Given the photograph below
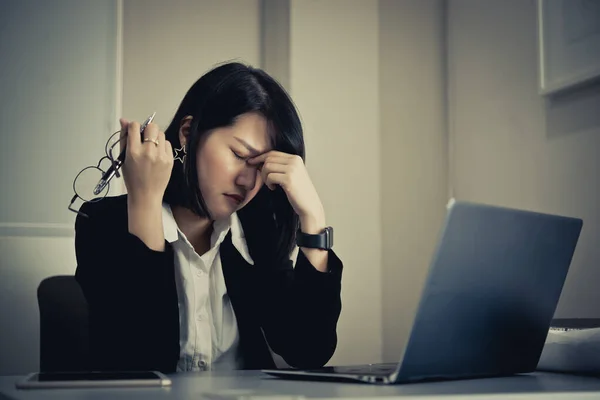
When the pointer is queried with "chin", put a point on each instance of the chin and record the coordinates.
(221, 212)
(218, 215)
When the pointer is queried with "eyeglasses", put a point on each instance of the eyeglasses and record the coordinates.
(85, 184)
(93, 183)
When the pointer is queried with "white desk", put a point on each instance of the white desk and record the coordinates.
(197, 385)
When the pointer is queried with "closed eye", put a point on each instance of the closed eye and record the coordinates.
(237, 155)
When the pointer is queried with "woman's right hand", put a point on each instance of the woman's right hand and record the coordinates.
(146, 172)
(148, 165)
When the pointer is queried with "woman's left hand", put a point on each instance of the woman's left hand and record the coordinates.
(289, 172)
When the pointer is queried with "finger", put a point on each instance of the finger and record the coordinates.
(134, 140)
(275, 178)
(151, 138)
(124, 123)
(161, 141)
(277, 153)
(273, 153)
(257, 159)
(271, 166)
(168, 150)
(151, 131)
(279, 159)
(123, 135)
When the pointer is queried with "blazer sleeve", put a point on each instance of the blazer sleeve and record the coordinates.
(129, 290)
(301, 307)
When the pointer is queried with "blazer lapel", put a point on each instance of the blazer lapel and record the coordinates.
(240, 282)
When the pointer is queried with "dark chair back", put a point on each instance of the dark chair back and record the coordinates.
(64, 338)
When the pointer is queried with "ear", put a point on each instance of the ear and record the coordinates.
(184, 130)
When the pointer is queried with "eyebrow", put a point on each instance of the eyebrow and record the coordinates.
(247, 145)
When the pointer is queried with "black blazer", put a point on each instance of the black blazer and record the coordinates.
(133, 305)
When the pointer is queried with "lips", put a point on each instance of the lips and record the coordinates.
(235, 197)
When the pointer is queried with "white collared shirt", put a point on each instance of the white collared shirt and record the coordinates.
(209, 335)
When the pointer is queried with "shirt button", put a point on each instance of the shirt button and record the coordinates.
(200, 273)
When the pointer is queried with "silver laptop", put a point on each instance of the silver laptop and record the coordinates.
(486, 307)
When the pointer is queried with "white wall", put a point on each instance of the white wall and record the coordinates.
(513, 148)
(414, 162)
(169, 45)
(54, 121)
(334, 63)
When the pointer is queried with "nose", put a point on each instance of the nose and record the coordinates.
(247, 177)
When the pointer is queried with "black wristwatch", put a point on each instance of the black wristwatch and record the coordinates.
(323, 240)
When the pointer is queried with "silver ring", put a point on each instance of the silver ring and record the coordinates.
(155, 141)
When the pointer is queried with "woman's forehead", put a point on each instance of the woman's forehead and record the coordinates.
(254, 131)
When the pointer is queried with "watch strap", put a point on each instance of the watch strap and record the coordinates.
(323, 240)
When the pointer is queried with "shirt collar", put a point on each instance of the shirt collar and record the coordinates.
(221, 228)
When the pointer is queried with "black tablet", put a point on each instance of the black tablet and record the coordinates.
(47, 380)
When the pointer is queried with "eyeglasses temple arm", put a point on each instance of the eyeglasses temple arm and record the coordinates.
(74, 210)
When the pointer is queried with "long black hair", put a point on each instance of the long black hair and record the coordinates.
(215, 101)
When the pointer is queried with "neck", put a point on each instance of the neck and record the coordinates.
(196, 229)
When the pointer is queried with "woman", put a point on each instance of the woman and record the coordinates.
(192, 269)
